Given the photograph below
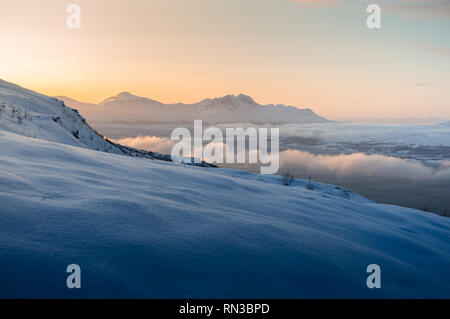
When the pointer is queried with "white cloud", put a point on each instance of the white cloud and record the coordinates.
(345, 165)
(149, 143)
(361, 165)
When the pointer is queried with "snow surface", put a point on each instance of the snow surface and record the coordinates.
(146, 228)
(141, 228)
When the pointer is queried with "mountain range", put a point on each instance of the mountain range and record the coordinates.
(126, 107)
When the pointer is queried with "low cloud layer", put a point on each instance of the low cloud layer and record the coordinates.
(358, 165)
(361, 165)
(149, 143)
(425, 135)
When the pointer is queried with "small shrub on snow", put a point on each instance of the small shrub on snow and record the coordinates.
(287, 179)
(310, 185)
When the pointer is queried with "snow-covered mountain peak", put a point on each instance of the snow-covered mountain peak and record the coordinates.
(231, 99)
(126, 100)
(121, 97)
(246, 99)
(126, 96)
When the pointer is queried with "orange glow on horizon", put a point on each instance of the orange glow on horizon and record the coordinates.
(176, 51)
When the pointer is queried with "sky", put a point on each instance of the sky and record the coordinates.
(307, 53)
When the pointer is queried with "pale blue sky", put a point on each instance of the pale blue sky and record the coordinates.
(307, 53)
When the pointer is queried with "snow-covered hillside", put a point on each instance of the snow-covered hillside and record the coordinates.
(141, 228)
(38, 116)
(126, 107)
(35, 115)
(145, 228)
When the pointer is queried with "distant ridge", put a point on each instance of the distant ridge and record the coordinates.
(444, 123)
(126, 107)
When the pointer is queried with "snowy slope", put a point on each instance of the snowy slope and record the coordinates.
(141, 228)
(35, 115)
(38, 116)
(126, 107)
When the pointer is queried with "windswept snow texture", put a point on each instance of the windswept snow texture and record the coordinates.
(141, 228)
(126, 107)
